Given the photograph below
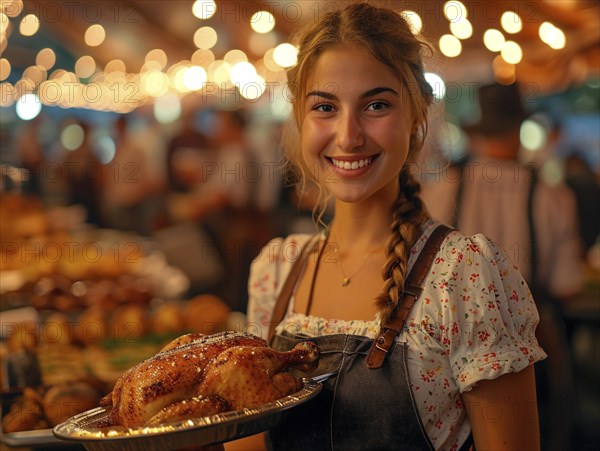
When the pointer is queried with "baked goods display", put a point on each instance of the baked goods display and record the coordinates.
(198, 375)
(40, 408)
(35, 242)
(103, 301)
(67, 264)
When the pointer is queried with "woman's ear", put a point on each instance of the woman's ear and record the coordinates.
(415, 128)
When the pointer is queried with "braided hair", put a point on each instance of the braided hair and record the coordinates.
(387, 36)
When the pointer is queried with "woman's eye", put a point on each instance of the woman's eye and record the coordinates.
(323, 108)
(377, 106)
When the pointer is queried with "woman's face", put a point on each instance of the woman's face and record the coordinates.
(357, 125)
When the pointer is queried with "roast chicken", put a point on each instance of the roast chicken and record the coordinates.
(197, 375)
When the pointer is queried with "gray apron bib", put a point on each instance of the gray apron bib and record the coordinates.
(359, 409)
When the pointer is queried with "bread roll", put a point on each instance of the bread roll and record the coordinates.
(63, 401)
(130, 322)
(206, 314)
(25, 413)
(168, 318)
(91, 326)
(57, 330)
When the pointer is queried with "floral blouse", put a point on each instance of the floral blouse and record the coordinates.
(475, 320)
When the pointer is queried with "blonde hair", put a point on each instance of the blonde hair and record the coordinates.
(387, 36)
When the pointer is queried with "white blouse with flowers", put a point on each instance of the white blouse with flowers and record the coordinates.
(475, 320)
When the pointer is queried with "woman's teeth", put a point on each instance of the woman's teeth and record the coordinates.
(352, 165)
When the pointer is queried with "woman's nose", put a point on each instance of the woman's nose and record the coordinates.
(349, 134)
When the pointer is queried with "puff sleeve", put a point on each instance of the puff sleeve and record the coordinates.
(488, 325)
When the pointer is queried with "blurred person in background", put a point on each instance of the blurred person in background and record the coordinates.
(30, 154)
(131, 182)
(535, 223)
(211, 200)
(240, 229)
(83, 174)
(580, 177)
(185, 152)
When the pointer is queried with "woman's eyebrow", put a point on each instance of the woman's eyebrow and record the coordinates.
(324, 94)
(371, 92)
(378, 90)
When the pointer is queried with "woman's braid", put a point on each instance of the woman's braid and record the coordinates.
(408, 217)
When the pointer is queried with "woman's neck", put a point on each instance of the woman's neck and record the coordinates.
(360, 227)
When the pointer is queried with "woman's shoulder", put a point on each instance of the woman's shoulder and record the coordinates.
(268, 272)
(272, 264)
(470, 272)
(458, 248)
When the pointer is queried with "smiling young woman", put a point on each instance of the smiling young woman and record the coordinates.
(426, 328)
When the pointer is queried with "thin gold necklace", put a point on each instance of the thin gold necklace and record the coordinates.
(347, 279)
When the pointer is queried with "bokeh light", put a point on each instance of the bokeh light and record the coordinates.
(94, 35)
(204, 9)
(28, 106)
(262, 21)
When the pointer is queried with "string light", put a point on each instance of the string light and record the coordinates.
(94, 35)
(511, 52)
(204, 9)
(28, 106)
(437, 84)
(235, 56)
(30, 24)
(262, 21)
(462, 29)
(285, 55)
(493, 40)
(85, 66)
(194, 78)
(205, 38)
(46, 58)
(414, 21)
(12, 8)
(455, 11)
(450, 45)
(511, 22)
(552, 35)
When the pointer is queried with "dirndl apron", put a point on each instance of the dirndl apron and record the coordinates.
(365, 406)
(358, 409)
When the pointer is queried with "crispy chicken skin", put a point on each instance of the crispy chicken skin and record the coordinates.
(198, 375)
(189, 408)
(170, 376)
(249, 377)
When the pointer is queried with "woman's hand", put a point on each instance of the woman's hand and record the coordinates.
(252, 443)
(503, 412)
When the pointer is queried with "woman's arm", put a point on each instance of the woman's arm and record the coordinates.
(251, 443)
(503, 412)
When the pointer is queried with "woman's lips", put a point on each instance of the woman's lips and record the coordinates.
(351, 166)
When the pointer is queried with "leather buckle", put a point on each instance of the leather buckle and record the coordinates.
(386, 339)
(380, 342)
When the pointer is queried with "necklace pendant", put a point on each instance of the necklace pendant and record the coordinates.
(346, 282)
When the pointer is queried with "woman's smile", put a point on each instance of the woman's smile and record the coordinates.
(352, 166)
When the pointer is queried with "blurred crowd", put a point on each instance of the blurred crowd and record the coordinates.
(214, 178)
(208, 192)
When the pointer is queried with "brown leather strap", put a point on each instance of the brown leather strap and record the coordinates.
(412, 290)
(283, 300)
